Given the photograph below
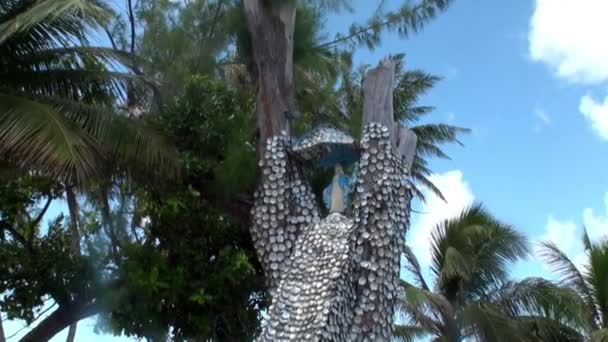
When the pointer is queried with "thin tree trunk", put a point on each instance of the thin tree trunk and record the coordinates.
(72, 332)
(75, 236)
(2, 337)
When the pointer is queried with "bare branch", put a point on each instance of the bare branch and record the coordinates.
(38, 218)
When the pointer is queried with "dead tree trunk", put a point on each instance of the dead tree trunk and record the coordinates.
(331, 279)
(337, 278)
(271, 31)
(282, 188)
(381, 209)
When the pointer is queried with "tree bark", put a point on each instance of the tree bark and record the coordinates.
(271, 33)
(75, 236)
(60, 319)
(71, 332)
(2, 336)
(382, 208)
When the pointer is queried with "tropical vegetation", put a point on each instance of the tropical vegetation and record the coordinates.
(588, 281)
(141, 119)
(473, 296)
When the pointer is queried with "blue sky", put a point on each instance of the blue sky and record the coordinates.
(530, 78)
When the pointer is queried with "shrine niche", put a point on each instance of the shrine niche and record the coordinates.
(336, 278)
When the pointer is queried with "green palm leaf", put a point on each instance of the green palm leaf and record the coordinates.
(47, 72)
(413, 266)
(537, 297)
(410, 333)
(570, 275)
(44, 138)
(486, 322)
(596, 276)
(62, 11)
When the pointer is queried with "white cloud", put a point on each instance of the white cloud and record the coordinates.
(563, 233)
(597, 225)
(458, 196)
(568, 235)
(596, 113)
(570, 37)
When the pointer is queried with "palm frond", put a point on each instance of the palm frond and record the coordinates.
(422, 308)
(477, 248)
(410, 333)
(74, 84)
(45, 139)
(129, 142)
(596, 276)
(413, 266)
(420, 173)
(439, 133)
(540, 298)
(486, 322)
(495, 247)
(55, 58)
(569, 273)
(540, 329)
(53, 10)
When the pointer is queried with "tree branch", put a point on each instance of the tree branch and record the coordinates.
(61, 318)
(111, 38)
(416, 15)
(37, 220)
(354, 34)
(132, 24)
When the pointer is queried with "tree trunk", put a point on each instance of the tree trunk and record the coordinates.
(60, 319)
(75, 238)
(2, 336)
(381, 209)
(71, 333)
(271, 32)
(340, 289)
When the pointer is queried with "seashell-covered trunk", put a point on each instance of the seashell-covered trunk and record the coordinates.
(336, 278)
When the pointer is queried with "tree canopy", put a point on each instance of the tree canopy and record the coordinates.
(152, 141)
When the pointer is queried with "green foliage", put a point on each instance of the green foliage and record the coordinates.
(177, 39)
(214, 129)
(196, 275)
(407, 19)
(473, 295)
(37, 266)
(589, 283)
(188, 270)
(57, 100)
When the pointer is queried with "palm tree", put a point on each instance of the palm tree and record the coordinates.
(473, 296)
(59, 95)
(590, 283)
